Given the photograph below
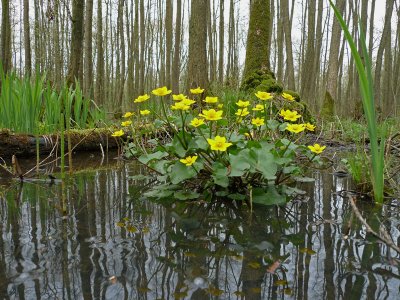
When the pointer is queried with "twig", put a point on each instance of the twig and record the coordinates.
(384, 236)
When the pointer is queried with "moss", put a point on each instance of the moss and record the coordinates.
(258, 37)
(261, 81)
(328, 107)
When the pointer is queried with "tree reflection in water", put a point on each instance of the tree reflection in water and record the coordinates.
(114, 245)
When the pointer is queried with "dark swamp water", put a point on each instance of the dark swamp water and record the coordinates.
(112, 244)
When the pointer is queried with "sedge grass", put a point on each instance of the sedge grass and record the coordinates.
(364, 70)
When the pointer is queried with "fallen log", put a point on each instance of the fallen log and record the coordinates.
(24, 145)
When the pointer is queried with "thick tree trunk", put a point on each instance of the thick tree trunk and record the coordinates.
(78, 8)
(257, 50)
(197, 64)
(5, 36)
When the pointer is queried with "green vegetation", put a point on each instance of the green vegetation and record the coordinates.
(364, 72)
(33, 106)
(250, 151)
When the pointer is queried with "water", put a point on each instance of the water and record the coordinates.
(94, 237)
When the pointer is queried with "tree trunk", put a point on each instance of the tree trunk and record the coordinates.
(221, 42)
(177, 48)
(27, 40)
(331, 94)
(88, 83)
(78, 8)
(99, 93)
(5, 36)
(287, 28)
(197, 64)
(257, 50)
(168, 41)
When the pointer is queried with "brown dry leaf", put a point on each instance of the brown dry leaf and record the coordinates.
(272, 268)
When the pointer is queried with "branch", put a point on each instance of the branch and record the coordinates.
(384, 236)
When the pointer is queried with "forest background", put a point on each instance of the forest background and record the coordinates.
(120, 49)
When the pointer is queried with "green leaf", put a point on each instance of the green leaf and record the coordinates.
(145, 158)
(198, 143)
(266, 164)
(304, 179)
(268, 196)
(237, 197)
(160, 166)
(220, 175)
(181, 172)
(177, 147)
(155, 193)
(186, 195)
(239, 163)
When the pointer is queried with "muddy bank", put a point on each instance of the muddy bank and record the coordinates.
(24, 145)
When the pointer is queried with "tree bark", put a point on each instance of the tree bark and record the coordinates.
(287, 28)
(197, 64)
(5, 36)
(27, 40)
(177, 48)
(221, 42)
(78, 8)
(88, 68)
(257, 49)
(99, 93)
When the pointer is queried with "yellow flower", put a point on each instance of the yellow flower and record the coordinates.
(197, 122)
(179, 97)
(118, 133)
(162, 91)
(295, 128)
(126, 123)
(259, 107)
(127, 114)
(241, 112)
(180, 106)
(188, 161)
(144, 112)
(287, 96)
(220, 106)
(188, 101)
(211, 100)
(211, 114)
(309, 126)
(242, 103)
(290, 115)
(263, 95)
(257, 121)
(197, 90)
(142, 98)
(317, 148)
(219, 143)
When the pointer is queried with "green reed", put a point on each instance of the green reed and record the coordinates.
(364, 70)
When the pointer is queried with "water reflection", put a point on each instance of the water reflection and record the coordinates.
(112, 244)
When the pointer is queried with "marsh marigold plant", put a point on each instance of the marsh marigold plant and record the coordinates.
(248, 153)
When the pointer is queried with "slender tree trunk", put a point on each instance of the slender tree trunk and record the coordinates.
(78, 8)
(99, 93)
(168, 41)
(177, 48)
(287, 28)
(279, 44)
(27, 40)
(88, 86)
(142, 48)
(221, 42)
